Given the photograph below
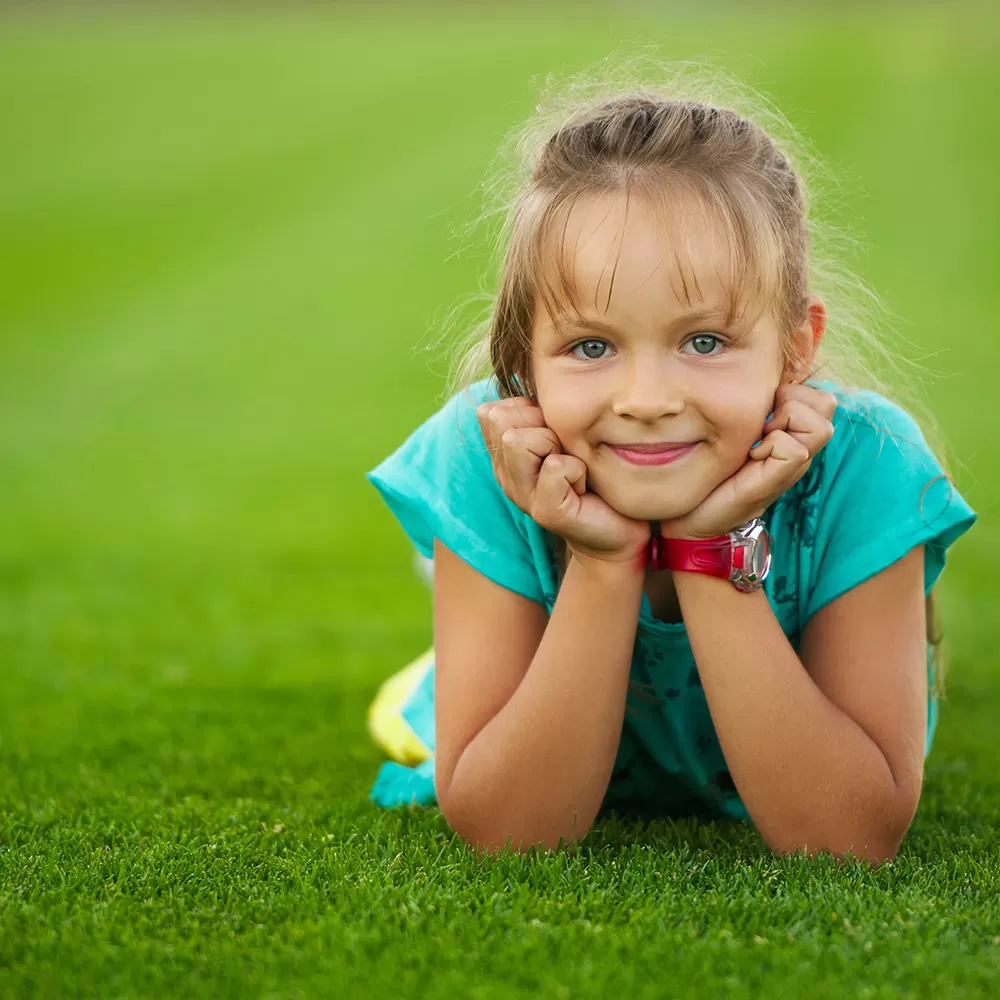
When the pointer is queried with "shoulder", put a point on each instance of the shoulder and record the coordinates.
(867, 418)
(465, 400)
(440, 484)
(874, 439)
(456, 423)
(870, 495)
(878, 452)
(449, 437)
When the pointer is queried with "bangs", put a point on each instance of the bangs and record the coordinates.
(749, 265)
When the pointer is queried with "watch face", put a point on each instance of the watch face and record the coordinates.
(761, 555)
(755, 542)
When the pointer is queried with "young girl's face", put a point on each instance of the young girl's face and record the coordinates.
(649, 366)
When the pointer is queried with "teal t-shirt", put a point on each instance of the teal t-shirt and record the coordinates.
(871, 494)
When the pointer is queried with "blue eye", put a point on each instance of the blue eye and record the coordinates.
(582, 343)
(704, 343)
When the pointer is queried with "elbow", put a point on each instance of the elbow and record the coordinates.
(500, 832)
(875, 841)
(874, 853)
(488, 844)
(492, 838)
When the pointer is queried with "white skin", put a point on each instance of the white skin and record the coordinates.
(646, 370)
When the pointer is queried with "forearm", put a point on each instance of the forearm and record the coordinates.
(809, 776)
(540, 767)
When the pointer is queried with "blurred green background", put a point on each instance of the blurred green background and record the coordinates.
(226, 240)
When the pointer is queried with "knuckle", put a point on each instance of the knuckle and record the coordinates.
(791, 447)
(541, 516)
(488, 428)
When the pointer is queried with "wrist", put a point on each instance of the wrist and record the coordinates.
(616, 568)
(682, 532)
(704, 589)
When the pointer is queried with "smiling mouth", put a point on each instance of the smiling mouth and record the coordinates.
(662, 457)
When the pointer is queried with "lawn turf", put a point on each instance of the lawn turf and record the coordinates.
(225, 243)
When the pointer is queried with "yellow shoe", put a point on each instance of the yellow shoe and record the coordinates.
(386, 724)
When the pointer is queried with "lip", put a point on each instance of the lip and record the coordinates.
(662, 457)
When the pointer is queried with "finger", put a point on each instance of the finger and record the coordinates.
(781, 447)
(779, 463)
(525, 411)
(524, 449)
(802, 422)
(551, 505)
(825, 403)
(514, 412)
(495, 416)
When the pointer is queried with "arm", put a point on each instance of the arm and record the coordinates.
(826, 752)
(528, 730)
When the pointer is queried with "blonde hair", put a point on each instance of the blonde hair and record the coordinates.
(680, 128)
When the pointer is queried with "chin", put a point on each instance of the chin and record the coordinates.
(653, 507)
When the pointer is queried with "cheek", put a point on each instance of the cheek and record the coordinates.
(743, 426)
(751, 426)
(564, 415)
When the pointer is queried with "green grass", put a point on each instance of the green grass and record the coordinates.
(222, 243)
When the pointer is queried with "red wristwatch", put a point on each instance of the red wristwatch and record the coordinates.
(743, 556)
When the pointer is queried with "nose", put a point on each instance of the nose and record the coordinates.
(650, 388)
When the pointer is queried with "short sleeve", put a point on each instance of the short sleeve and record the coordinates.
(882, 492)
(440, 483)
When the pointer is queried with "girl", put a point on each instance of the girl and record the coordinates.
(682, 563)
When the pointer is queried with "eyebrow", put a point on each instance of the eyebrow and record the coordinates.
(692, 316)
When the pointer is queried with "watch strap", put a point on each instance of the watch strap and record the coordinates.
(708, 555)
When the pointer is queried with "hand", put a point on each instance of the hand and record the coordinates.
(551, 487)
(799, 427)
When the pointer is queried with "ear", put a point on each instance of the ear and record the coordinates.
(805, 341)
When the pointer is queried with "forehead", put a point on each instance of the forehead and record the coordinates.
(610, 254)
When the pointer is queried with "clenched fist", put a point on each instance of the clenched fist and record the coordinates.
(799, 427)
(551, 486)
